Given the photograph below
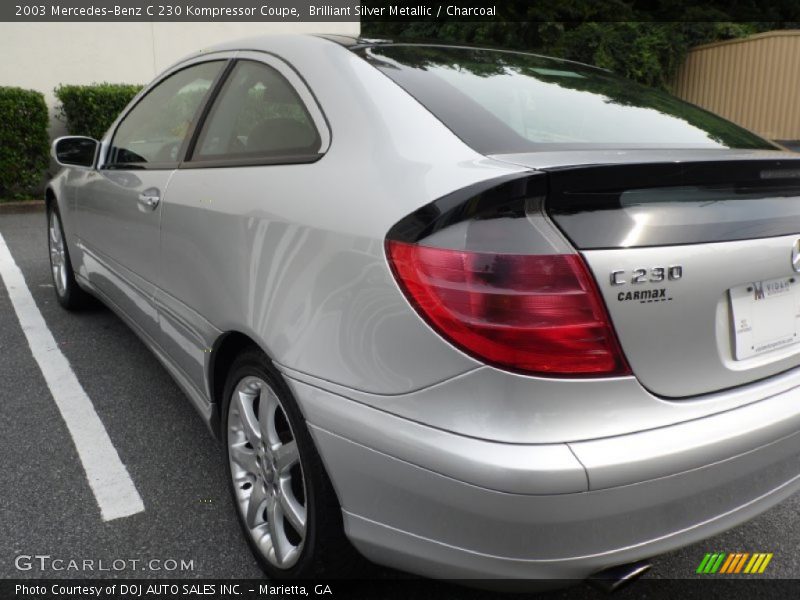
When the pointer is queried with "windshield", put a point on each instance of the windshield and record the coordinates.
(503, 102)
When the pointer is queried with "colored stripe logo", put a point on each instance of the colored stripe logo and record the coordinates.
(734, 562)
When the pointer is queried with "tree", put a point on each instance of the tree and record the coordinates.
(644, 43)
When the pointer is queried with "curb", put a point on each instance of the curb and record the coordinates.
(22, 206)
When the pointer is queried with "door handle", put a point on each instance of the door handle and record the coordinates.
(150, 198)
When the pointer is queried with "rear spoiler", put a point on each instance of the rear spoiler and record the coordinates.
(658, 204)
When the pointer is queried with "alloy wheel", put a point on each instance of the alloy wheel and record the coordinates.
(58, 262)
(267, 473)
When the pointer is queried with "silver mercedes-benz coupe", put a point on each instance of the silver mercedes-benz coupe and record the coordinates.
(473, 313)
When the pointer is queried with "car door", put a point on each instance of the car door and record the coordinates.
(120, 204)
(253, 150)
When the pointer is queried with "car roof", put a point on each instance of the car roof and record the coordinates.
(357, 43)
(290, 43)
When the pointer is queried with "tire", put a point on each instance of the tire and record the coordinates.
(68, 293)
(307, 521)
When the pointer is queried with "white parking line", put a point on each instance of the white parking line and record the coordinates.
(111, 484)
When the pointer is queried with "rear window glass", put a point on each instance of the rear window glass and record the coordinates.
(504, 102)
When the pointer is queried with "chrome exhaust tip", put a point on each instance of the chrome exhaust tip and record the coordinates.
(612, 579)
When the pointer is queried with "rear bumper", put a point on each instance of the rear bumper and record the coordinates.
(443, 505)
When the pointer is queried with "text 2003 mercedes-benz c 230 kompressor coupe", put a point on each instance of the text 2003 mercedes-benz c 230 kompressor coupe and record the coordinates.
(480, 314)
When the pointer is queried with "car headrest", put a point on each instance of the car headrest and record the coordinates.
(280, 134)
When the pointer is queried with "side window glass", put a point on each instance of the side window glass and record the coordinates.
(155, 129)
(257, 115)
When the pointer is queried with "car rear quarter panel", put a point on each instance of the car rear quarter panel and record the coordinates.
(293, 255)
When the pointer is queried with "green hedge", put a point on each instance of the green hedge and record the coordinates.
(24, 143)
(90, 109)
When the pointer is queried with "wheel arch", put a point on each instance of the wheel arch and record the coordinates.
(53, 199)
(49, 197)
(226, 348)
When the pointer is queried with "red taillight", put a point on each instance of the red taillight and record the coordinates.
(538, 314)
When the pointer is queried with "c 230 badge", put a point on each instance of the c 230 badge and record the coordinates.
(640, 276)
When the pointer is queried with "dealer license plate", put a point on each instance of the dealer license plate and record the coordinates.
(766, 316)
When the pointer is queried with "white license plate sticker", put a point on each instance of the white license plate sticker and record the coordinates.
(766, 316)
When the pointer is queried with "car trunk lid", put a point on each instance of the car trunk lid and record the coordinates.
(695, 256)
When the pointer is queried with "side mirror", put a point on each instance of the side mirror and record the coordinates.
(75, 151)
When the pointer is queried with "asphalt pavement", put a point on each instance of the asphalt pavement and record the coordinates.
(188, 527)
